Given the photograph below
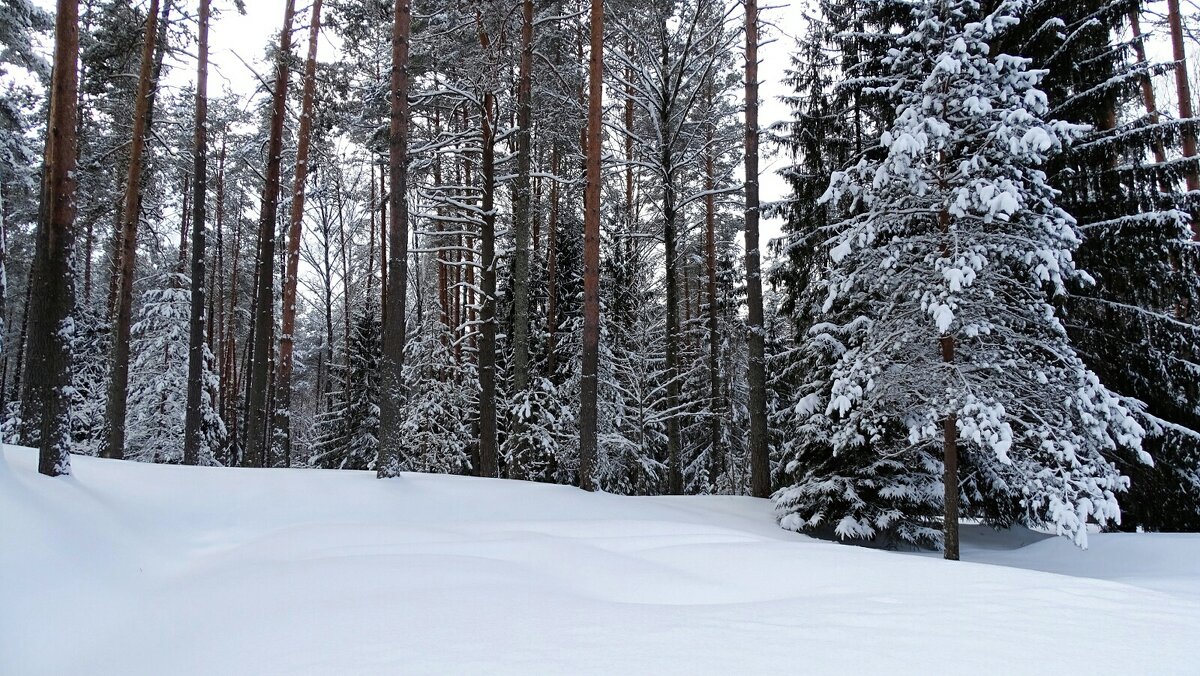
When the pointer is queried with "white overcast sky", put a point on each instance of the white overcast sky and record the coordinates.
(234, 36)
(237, 40)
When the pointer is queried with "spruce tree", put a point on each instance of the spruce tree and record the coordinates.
(944, 271)
(1135, 326)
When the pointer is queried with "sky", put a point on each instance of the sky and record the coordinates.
(237, 45)
(236, 39)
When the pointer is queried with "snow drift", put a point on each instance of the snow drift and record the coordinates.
(127, 568)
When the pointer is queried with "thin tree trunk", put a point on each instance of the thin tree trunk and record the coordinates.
(258, 424)
(160, 51)
(392, 363)
(521, 229)
(46, 399)
(671, 246)
(231, 337)
(118, 387)
(1184, 92)
(949, 434)
(287, 339)
(443, 290)
(756, 377)
(488, 457)
(552, 266)
(22, 342)
(185, 222)
(219, 284)
(383, 243)
(591, 257)
(193, 431)
(370, 278)
(710, 264)
(4, 347)
(1148, 98)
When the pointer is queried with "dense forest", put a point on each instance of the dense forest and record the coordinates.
(521, 239)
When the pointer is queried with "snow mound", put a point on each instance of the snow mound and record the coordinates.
(131, 569)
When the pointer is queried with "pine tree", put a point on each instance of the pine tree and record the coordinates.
(45, 399)
(258, 419)
(588, 442)
(396, 285)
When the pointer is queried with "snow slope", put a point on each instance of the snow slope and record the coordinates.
(133, 569)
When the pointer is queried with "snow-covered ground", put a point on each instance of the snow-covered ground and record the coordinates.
(134, 569)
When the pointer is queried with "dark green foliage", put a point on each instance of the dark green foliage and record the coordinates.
(347, 436)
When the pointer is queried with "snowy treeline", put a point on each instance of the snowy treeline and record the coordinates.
(982, 305)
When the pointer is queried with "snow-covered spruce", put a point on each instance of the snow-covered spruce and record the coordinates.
(347, 435)
(158, 378)
(940, 301)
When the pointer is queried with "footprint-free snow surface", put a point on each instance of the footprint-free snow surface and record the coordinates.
(132, 569)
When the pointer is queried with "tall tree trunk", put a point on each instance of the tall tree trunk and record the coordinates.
(286, 339)
(710, 263)
(1184, 91)
(258, 436)
(521, 230)
(383, 243)
(443, 289)
(1148, 98)
(488, 456)
(193, 431)
(231, 386)
(756, 377)
(118, 387)
(949, 433)
(219, 284)
(457, 270)
(46, 400)
(591, 257)
(5, 348)
(392, 364)
(160, 51)
(19, 369)
(185, 222)
(671, 246)
(552, 265)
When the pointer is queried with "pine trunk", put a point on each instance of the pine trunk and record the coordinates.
(193, 421)
(552, 266)
(670, 239)
(1184, 92)
(392, 365)
(488, 456)
(714, 344)
(383, 243)
(4, 347)
(756, 377)
(118, 386)
(288, 322)
(160, 51)
(48, 358)
(231, 368)
(591, 256)
(1148, 98)
(219, 286)
(521, 228)
(258, 438)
